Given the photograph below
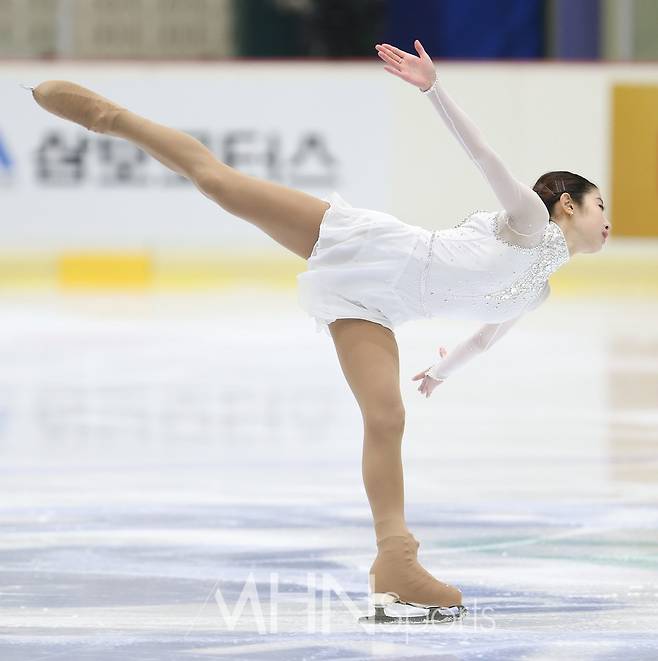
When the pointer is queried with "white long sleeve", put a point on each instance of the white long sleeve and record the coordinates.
(486, 336)
(527, 214)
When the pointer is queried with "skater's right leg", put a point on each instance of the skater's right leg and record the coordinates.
(368, 355)
(291, 217)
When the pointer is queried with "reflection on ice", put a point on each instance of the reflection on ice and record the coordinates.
(160, 459)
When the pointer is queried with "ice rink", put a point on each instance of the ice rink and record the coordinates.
(181, 479)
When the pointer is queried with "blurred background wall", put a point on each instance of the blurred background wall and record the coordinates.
(534, 29)
(292, 90)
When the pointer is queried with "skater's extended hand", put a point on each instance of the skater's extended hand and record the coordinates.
(428, 384)
(418, 71)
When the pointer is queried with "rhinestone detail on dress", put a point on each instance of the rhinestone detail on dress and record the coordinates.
(553, 253)
(469, 216)
(424, 274)
(495, 228)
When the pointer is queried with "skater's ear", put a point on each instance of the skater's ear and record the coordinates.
(566, 201)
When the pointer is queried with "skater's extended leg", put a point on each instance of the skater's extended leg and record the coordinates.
(290, 217)
(369, 358)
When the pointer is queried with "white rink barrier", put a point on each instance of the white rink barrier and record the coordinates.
(319, 127)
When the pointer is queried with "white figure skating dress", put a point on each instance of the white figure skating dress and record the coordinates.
(492, 267)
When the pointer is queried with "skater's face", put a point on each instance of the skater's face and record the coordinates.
(591, 222)
(586, 223)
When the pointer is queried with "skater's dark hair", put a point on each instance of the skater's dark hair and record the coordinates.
(551, 185)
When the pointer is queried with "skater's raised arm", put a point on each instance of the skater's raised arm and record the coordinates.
(485, 337)
(527, 213)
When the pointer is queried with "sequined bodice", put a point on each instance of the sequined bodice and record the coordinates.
(471, 271)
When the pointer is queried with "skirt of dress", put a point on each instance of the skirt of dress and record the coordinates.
(355, 265)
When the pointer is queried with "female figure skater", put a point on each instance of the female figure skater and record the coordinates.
(368, 271)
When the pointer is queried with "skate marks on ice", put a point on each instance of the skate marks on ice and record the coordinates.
(146, 481)
(140, 578)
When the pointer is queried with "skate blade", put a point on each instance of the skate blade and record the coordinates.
(434, 615)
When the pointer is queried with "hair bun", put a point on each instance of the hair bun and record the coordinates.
(551, 185)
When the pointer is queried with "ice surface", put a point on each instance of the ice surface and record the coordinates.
(164, 455)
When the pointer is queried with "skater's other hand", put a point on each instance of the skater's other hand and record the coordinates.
(428, 383)
(418, 71)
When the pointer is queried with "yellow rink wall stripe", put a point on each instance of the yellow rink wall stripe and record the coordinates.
(627, 269)
(217, 270)
(609, 275)
(99, 270)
